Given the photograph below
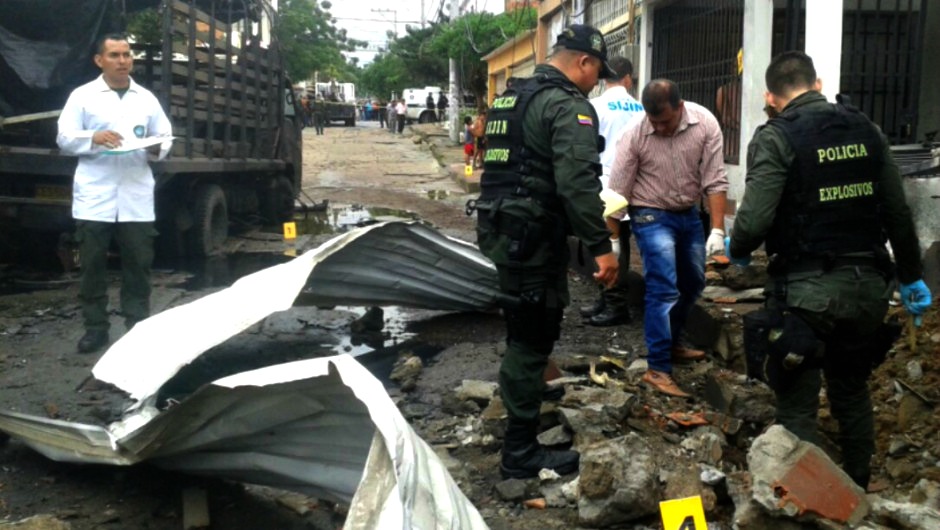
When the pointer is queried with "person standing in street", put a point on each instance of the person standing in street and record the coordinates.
(468, 141)
(381, 112)
(319, 114)
(400, 110)
(664, 165)
(615, 109)
(391, 115)
(441, 106)
(479, 138)
(823, 194)
(540, 182)
(429, 104)
(113, 191)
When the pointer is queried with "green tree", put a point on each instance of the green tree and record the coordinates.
(311, 42)
(145, 26)
(468, 38)
(420, 58)
(385, 75)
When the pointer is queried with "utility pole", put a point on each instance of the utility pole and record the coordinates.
(455, 95)
(423, 16)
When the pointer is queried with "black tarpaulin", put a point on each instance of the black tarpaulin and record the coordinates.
(46, 46)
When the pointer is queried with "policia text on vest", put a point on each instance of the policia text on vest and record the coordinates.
(842, 152)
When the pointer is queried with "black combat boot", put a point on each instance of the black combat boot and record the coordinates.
(523, 457)
(615, 310)
(610, 316)
(588, 311)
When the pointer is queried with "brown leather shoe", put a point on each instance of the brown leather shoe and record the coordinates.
(664, 383)
(683, 354)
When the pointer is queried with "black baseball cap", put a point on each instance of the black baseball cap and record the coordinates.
(589, 40)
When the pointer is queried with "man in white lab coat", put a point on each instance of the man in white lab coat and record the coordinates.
(113, 190)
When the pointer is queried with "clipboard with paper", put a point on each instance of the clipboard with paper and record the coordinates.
(133, 144)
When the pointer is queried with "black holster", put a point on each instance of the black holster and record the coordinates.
(535, 320)
(779, 346)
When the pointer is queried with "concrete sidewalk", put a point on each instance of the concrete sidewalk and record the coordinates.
(450, 156)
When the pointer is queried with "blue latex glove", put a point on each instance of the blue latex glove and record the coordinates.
(740, 262)
(916, 299)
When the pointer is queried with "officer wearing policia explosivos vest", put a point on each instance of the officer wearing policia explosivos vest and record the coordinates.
(824, 194)
(539, 184)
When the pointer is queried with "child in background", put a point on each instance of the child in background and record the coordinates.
(468, 141)
(479, 132)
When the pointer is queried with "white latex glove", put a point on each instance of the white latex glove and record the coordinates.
(615, 247)
(715, 243)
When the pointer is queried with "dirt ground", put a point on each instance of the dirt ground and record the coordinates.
(364, 173)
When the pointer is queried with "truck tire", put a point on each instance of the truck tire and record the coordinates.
(427, 117)
(210, 221)
(350, 122)
(278, 201)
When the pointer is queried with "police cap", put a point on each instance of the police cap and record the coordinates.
(589, 40)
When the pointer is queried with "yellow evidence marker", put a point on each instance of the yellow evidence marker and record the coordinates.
(290, 230)
(683, 514)
(468, 171)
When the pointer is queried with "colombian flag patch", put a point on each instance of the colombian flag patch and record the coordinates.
(584, 119)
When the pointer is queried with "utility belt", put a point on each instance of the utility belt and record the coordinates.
(514, 230)
(780, 266)
(779, 346)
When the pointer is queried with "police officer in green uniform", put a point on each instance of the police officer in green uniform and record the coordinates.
(539, 184)
(824, 194)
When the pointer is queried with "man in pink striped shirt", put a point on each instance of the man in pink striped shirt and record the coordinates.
(665, 164)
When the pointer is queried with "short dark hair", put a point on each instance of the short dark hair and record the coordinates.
(789, 71)
(99, 44)
(467, 120)
(657, 94)
(621, 67)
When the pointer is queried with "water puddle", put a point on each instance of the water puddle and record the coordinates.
(340, 219)
(305, 333)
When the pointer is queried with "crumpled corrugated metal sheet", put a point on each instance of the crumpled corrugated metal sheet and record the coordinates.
(324, 427)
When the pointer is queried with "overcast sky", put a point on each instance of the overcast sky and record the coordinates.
(369, 20)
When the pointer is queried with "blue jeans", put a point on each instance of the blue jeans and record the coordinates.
(672, 245)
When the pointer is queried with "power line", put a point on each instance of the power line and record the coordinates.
(385, 21)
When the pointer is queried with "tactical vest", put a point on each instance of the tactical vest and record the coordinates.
(831, 202)
(508, 160)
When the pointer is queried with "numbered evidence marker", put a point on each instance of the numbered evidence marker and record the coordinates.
(683, 514)
(290, 230)
(468, 171)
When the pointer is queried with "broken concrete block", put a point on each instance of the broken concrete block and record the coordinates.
(684, 482)
(748, 514)
(618, 482)
(927, 493)
(705, 447)
(730, 393)
(511, 490)
(616, 404)
(557, 435)
(905, 516)
(589, 423)
(406, 371)
(36, 522)
(479, 391)
(796, 479)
